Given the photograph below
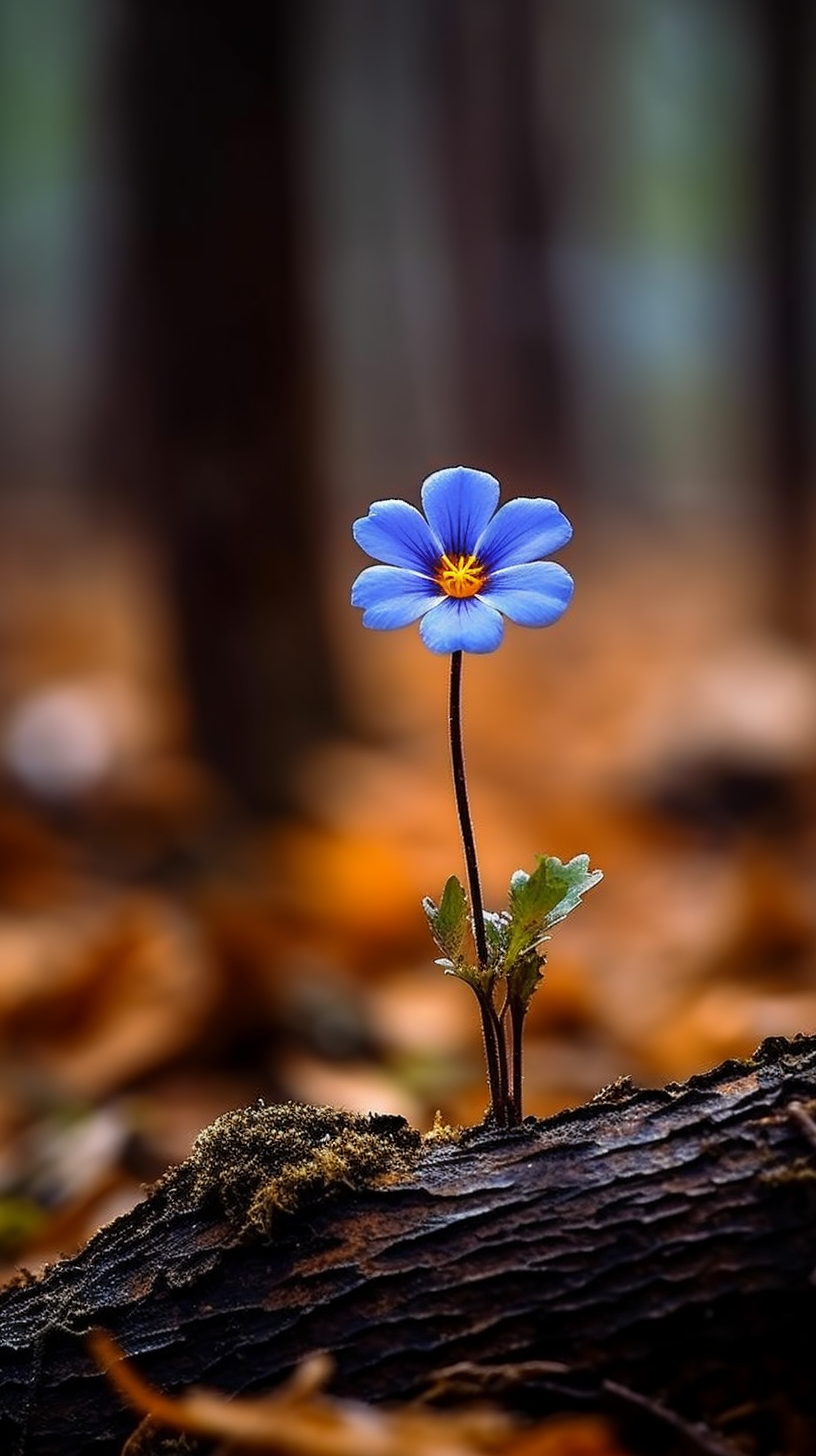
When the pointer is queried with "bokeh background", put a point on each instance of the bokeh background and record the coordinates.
(260, 265)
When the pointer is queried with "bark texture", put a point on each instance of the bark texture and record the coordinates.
(663, 1239)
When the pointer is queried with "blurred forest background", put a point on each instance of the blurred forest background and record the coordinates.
(260, 265)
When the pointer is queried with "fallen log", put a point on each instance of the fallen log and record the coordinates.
(658, 1241)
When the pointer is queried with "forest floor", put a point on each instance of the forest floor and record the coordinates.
(162, 961)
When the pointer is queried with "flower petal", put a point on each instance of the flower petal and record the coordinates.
(392, 597)
(398, 534)
(461, 625)
(459, 503)
(524, 529)
(534, 595)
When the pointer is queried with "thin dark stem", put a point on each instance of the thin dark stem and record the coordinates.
(505, 1114)
(463, 808)
(517, 1031)
(492, 1042)
(506, 1053)
(492, 1029)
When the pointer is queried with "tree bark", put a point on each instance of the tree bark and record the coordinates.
(659, 1239)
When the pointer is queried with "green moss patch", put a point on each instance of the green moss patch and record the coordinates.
(262, 1162)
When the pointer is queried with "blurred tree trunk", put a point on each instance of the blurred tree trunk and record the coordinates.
(496, 190)
(786, 45)
(221, 374)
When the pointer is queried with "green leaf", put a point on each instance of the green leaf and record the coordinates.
(540, 900)
(480, 979)
(580, 878)
(524, 979)
(449, 919)
(497, 929)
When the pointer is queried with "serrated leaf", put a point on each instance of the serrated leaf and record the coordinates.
(542, 899)
(581, 879)
(497, 929)
(449, 919)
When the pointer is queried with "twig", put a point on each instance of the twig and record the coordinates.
(694, 1430)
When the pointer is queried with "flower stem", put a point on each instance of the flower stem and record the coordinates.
(463, 808)
(493, 1031)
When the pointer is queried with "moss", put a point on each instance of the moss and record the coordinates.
(151, 1438)
(262, 1162)
(801, 1170)
(623, 1089)
(442, 1134)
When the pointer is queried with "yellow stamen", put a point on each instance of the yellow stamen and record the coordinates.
(461, 576)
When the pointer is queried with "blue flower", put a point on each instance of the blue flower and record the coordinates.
(462, 564)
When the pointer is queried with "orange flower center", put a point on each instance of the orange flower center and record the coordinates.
(460, 576)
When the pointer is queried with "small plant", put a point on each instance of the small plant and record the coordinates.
(459, 569)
